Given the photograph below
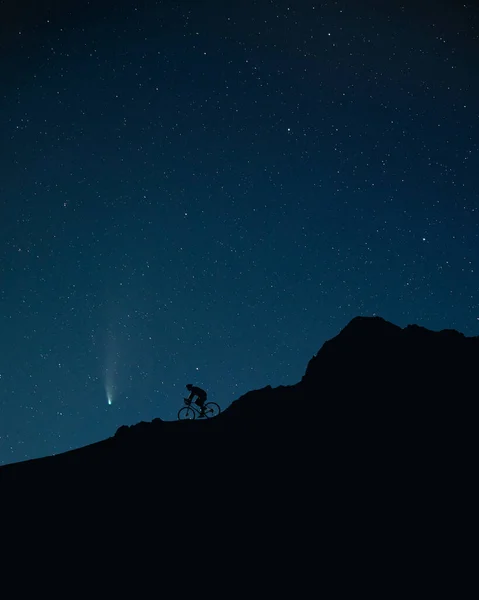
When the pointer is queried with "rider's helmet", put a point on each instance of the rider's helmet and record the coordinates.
(189, 386)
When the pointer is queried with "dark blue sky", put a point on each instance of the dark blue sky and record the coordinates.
(206, 191)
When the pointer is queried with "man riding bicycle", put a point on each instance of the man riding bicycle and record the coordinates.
(200, 397)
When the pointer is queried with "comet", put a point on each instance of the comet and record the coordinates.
(110, 371)
(109, 397)
(109, 389)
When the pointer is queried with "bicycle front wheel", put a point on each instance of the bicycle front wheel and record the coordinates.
(211, 410)
(186, 414)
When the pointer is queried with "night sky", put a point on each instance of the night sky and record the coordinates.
(206, 191)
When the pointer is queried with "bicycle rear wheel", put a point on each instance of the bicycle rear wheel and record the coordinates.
(211, 410)
(186, 414)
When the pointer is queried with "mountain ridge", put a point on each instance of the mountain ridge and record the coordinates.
(373, 377)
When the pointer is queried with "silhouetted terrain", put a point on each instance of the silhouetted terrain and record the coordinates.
(369, 460)
(375, 390)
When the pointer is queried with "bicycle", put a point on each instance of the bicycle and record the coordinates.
(190, 412)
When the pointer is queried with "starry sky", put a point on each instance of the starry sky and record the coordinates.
(205, 192)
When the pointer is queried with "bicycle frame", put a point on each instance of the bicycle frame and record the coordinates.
(194, 407)
(210, 409)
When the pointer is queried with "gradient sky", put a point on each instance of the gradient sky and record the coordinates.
(207, 191)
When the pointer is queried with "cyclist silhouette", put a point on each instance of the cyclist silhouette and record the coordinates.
(200, 397)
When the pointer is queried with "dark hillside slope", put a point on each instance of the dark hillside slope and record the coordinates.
(375, 393)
